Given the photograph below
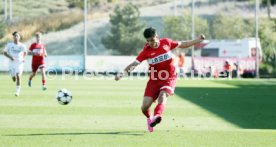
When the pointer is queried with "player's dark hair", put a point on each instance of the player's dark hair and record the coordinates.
(38, 34)
(149, 32)
(14, 33)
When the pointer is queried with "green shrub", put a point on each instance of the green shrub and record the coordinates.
(48, 23)
(266, 69)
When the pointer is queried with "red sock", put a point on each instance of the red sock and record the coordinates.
(159, 109)
(43, 82)
(147, 113)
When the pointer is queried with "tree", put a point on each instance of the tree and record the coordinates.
(272, 2)
(268, 40)
(225, 27)
(179, 27)
(268, 4)
(79, 3)
(125, 35)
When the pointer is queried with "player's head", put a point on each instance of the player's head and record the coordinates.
(38, 36)
(149, 32)
(16, 36)
(181, 54)
(151, 37)
(227, 62)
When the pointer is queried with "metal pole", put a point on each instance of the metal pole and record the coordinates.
(275, 62)
(268, 4)
(174, 8)
(85, 35)
(5, 10)
(193, 24)
(10, 10)
(256, 37)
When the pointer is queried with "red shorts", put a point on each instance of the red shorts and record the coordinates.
(37, 66)
(155, 86)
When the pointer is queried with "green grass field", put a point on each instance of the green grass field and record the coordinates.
(107, 113)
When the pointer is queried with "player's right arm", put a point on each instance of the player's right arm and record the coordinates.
(127, 70)
(140, 58)
(8, 56)
(6, 53)
(30, 51)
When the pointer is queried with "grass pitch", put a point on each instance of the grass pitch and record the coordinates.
(107, 113)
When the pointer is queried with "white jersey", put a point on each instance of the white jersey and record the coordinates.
(16, 51)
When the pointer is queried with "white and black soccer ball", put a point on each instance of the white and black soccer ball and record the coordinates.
(64, 96)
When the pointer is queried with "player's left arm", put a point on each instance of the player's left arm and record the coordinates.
(186, 44)
(25, 52)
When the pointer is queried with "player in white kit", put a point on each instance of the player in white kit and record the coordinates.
(16, 51)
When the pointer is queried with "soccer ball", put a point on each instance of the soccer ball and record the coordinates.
(64, 96)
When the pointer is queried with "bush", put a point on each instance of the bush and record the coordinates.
(266, 69)
(79, 3)
(54, 22)
(48, 23)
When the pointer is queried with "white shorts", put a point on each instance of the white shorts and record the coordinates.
(16, 68)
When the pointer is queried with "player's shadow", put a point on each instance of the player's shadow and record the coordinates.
(83, 133)
(247, 105)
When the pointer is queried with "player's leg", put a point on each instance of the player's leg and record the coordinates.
(181, 72)
(166, 90)
(30, 78)
(12, 72)
(162, 99)
(160, 107)
(43, 78)
(32, 75)
(147, 102)
(18, 83)
(19, 71)
(13, 78)
(34, 69)
(150, 95)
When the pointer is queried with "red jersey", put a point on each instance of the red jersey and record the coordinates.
(160, 59)
(40, 49)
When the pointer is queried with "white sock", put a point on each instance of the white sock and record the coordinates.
(17, 89)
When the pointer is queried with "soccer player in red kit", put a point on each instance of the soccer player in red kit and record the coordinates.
(39, 53)
(162, 78)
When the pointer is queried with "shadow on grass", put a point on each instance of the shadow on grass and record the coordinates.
(250, 105)
(88, 133)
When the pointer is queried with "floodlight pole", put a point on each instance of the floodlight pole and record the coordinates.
(10, 10)
(193, 25)
(174, 7)
(85, 35)
(256, 37)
